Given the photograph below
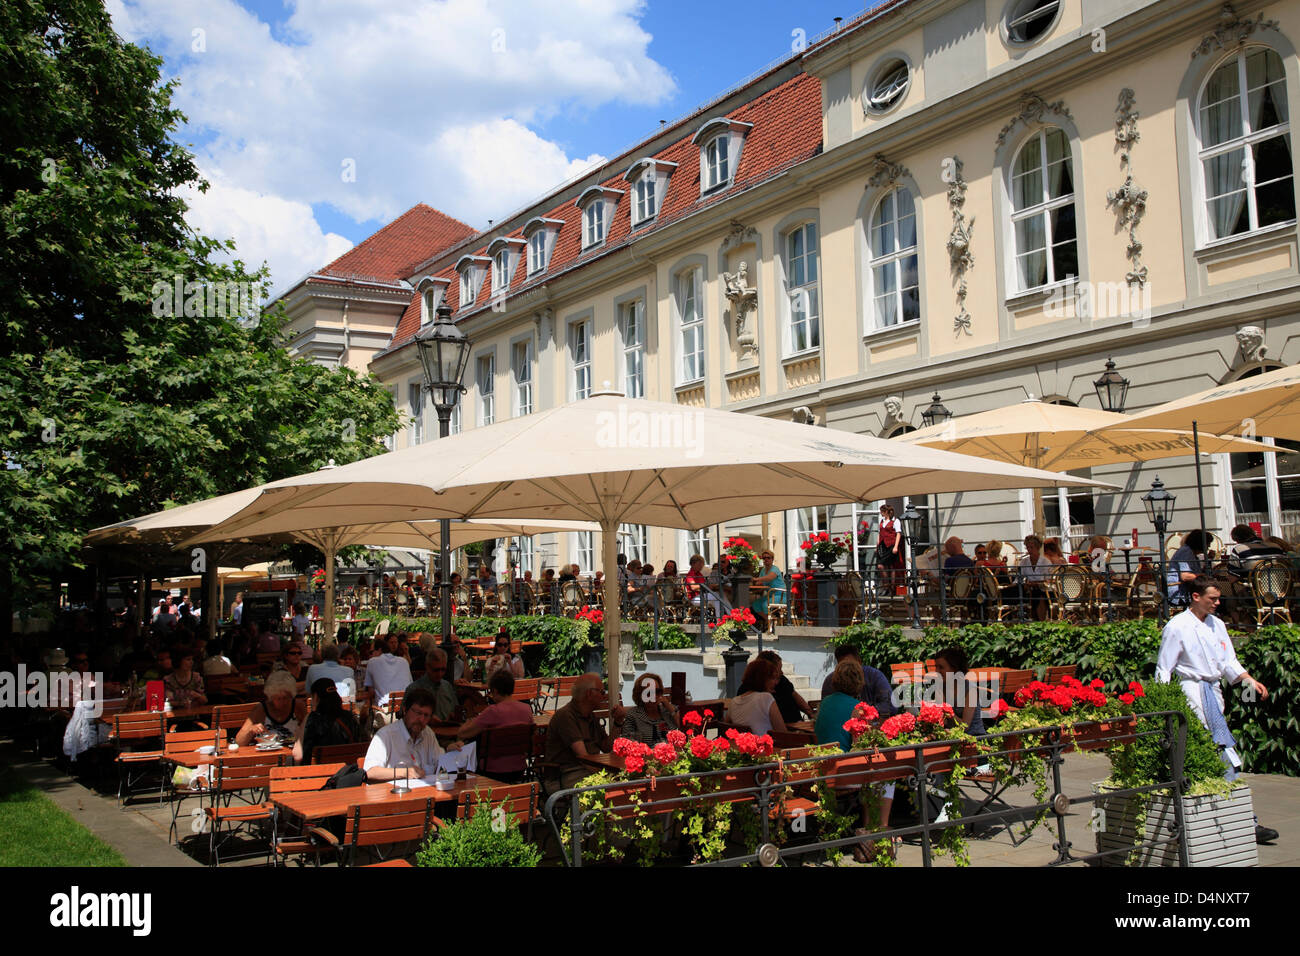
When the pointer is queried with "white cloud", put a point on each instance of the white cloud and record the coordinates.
(430, 100)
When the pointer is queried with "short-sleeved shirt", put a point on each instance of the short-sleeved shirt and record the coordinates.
(568, 726)
(444, 694)
(1184, 559)
(832, 713)
(784, 694)
(387, 673)
(875, 690)
(1035, 572)
(1242, 558)
(504, 713)
(344, 678)
(322, 731)
(752, 710)
(182, 695)
(393, 747)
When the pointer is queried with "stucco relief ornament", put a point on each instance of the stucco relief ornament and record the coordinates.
(959, 245)
(744, 299)
(886, 173)
(1250, 339)
(1231, 31)
(1130, 200)
(893, 408)
(1033, 109)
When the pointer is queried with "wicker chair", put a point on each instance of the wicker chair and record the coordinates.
(1071, 594)
(461, 597)
(1270, 586)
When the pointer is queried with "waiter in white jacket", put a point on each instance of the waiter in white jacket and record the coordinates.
(1195, 650)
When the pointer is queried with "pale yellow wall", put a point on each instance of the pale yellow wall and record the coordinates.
(911, 46)
(841, 305)
(1000, 53)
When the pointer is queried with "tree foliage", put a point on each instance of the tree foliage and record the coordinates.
(113, 401)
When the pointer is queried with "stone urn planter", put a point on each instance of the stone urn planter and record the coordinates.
(1220, 829)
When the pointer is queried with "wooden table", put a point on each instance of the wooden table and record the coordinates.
(319, 804)
(193, 759)
(801, 727)
(604, 761)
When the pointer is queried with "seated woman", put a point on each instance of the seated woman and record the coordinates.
(832, 714)
(504, 711)
(502, 659)
(292, 662)
(959, 691)
(651, 716)
(1052, 551)
(184, 685)
(788, 700)
(327, 725)
(276, 714)
(755, 707)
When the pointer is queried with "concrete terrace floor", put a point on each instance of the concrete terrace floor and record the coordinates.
(140, 832)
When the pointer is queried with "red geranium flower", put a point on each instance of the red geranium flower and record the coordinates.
(693, 718)
(677, 738)
(1002, 707)
(701, 747)
(721, 745)
(665, 753)
(1136, 689)
(1097, 684)
(708, 713)
(1127, 698)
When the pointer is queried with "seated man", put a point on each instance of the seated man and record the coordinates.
(407, 743)
(576, 732)
(875, 685)
(434, 680)
(1184, 567)
(387, 672)
(954, 557)
(345, 681)
(1248, 549)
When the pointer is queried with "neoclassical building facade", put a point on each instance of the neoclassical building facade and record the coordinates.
(984, 199)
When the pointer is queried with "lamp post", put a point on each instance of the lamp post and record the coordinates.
(444, 353)
(1112, 389)
(936, 413)
(513, 553)
(1160, 509)
(911, 524)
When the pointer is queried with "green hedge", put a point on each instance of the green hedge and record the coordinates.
(1268, 732)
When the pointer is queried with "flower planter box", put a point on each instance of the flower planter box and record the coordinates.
(621, 799)
(1220, 829)
(1104, 734)
(897, 765)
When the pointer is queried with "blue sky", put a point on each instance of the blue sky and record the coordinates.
(316, 121)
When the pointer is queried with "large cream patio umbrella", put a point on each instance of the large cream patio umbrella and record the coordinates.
(1061, 438)
(613, 460)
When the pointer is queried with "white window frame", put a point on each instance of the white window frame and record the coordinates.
(807, 291)
(415, 398)
(716, 162)
(521, 363)
(486, 387)
(526, 555)
(583, 549)
(1044, 209)
(537, 257)
(453, 424)
(501, 269)
(633, 348)
(432, 294)
(892, 260)
(646, 203)
(634, 541)
(1244, 142)
(807, 521)
(698, 542)
(690, 290)
(470, 269)
(579, 370)
(593, 224)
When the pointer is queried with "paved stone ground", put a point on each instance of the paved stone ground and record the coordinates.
(140, 833)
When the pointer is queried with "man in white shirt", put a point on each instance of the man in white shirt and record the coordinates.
(387, 672)
(1035, 569)
(237, 611)
(1195, 650)
(345, 681)
(407, 743)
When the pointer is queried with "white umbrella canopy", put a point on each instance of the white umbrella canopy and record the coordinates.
(425, 534)
(612, 460)
(173, 525)
(1265, 404)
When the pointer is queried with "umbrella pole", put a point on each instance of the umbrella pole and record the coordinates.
(211, 600)
(330, 550)
(612, 624)
(1200, 489)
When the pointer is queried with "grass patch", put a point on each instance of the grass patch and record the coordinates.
(38, 833)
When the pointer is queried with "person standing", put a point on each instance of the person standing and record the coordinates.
(889, 549)
(1195, 650)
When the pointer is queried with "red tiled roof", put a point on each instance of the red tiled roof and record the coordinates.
(787, 130)
(397, 248)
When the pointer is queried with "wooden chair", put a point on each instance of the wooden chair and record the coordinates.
(1270, 586)
(345, 753)
(911, 672)
(517, 800)
(1012, 681)
(182, 744)
(267, 659)
(1053, 675)
(133, 764)
(249, 779)
(463, 600)
(381, 824)
(801, 801)
(230, 717)
(561, 687)
(394, 705)
(852, 588)
(783, 740)
(297, 780)
(529, 690)
(512, 740)
(232, 687)
(525, 598)
(573, 597)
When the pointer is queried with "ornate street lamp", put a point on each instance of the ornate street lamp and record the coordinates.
(911, 519)
(513, 553)
(1160, 509)
(1112, 389)
(936, 413)
(444, 353)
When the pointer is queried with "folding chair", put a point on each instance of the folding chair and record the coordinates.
(382, 824)
(529, 690)
(249, 779)
(345, 753)
(297, 780)
(182, 744)
(136, 728)
(230, 717)
(512, 740)
(560, 687)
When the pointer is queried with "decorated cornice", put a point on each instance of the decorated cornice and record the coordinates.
(1232, 31)
(1033, 109)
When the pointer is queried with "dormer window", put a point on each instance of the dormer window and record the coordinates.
(505, 257)
(649, 181)
(432, 290)
(720, 141)
(597, 205)
(540, 234)
(471, 270)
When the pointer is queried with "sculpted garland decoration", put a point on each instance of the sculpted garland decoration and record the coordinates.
(1231, 31)
(959, 241)
(1033, 109)
(886, 173)
(1130, 200)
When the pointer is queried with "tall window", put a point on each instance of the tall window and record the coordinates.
(1070, 513)
(468, 288)
(697, 542)
(803, 287)
(501, 271)
(806, 521)
(429, 302)
(1245, 150)
(584, 552)
(537, 252)
(1266, 486)
(691, 310)
(632, 542)
(715, 162)
(895, 271)
(487, 373)
(631, 321)
(415, 395)
(522, 368)
(646, 205)
(593, 223)
(580, 351)
(453, 422)
(1042, 217)
(525, 555)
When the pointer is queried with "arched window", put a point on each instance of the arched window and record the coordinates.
(1042, 211)
(1245, 144)
(895, 268)
(803, 288)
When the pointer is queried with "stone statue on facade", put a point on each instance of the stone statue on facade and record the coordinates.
(1250, 339)
(744, 300)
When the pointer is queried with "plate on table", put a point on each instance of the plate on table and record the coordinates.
(270, 745)
(207, 750)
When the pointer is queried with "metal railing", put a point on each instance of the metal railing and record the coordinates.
(773, 782)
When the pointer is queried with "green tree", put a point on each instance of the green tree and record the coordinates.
(114, 399)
